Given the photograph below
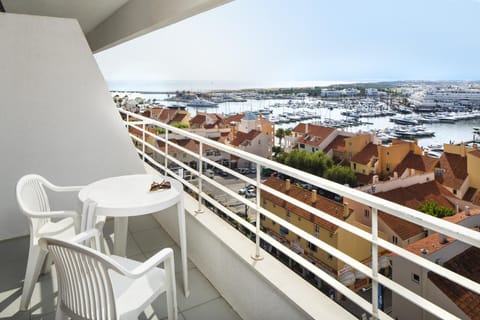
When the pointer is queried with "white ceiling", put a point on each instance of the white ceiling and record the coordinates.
(89, 13)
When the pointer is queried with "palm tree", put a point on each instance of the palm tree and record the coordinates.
(280, 134)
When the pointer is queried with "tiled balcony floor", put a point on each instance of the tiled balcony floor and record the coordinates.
(145, 238)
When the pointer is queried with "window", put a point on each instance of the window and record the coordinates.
(394, 240)
(366, 213)
(283, 231)
(288, 216)
(264, 202)
(354, 166)
(317, 231)
(273, 223)
(415, 278)
(455, 191)
(302, 146)
(388, 166)
(299, 218)
(262, 217)
(330, 257)
(312, 247)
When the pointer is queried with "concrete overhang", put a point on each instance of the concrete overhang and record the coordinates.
(107, 23)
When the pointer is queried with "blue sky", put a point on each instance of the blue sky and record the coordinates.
(307, 40)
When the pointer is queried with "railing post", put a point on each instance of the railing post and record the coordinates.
(374, 263)
(166, 152)
(257, 255)
(143, 140)
(200, 178)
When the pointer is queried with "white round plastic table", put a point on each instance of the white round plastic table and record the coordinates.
(126, 196)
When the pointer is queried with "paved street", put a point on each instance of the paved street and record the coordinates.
(233, 184)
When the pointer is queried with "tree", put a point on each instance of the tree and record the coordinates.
(341, 174)
(432, 208)
(280, 134)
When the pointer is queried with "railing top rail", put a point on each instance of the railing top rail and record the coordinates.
(444, 227)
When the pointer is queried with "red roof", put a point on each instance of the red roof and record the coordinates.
(466, 264)
(366, 154)
(242, 137)
(417, 162)
(455, 170)
(326, 205)
(338, 144)
(412, 197)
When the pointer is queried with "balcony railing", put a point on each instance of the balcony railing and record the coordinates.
(150, 152)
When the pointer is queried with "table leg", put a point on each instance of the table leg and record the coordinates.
(120, 236)
(183, 245)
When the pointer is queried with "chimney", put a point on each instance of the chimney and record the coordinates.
(442, 239)
(306, 127)
(287, 186)
(314, 195)
(457, 208)
(395, 175)
(346, 211)
(467, 210)
(412, 172)
(375, 179)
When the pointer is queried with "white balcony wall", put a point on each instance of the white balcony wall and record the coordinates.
(264, 289)
(58, 118)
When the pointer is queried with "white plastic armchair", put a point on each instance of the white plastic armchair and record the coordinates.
(33, 202)
(94, 286)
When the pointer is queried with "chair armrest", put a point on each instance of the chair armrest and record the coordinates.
(53, 214)
(56, 188)
(165, 255)
(86, 235)
(66, 189)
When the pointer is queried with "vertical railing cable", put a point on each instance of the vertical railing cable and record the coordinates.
(257, 255)
(143, 140)
(374, 263)
(200, 177)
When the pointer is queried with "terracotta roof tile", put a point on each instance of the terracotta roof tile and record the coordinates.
(366, 154)
(412, 197)
(242, 137)
(430, 243)
(313, 130)
(466, 264)
(338, 144)
(455, 170)
(417, 162)
(326, 205)
(475, 153)
(235, 118)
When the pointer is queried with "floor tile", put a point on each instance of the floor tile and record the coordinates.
(216, 309)
(201, 291)
(10, 304)
(153, 239)
(176, 256)
(14, 249)
(142, 223)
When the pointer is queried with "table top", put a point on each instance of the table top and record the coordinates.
(130, 195)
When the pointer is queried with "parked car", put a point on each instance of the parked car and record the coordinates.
(209, 173)
(249, 188)
(250, 194)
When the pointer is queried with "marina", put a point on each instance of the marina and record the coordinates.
(351, 115)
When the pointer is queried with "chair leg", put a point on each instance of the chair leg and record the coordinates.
(59, 315)
(36, 256)
(47, 265)
(171, 290)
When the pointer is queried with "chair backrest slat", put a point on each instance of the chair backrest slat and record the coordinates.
(85, 288)
(32, 197)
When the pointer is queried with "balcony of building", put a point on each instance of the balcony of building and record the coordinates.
(60, 122)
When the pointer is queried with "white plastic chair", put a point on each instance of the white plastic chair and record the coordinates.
(92, 285)
(33, 202)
